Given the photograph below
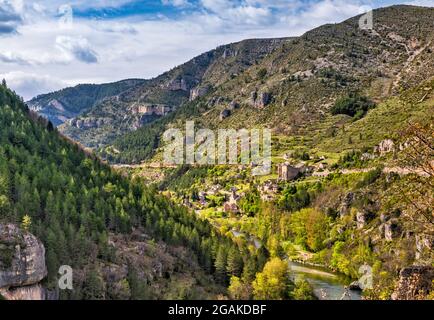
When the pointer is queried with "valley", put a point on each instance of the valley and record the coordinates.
(351, 186)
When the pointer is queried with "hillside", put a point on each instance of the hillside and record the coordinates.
(352, 113)
(294, 88)
(68, 103)
(361, 196)
(123, 241)
(157, 97)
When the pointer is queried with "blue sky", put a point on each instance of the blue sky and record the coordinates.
(49, 44)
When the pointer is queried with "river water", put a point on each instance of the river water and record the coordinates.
(326, 285)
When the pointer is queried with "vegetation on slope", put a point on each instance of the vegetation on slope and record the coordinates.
(76, 205)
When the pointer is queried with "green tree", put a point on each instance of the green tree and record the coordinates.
(272, 283)
(239, 290)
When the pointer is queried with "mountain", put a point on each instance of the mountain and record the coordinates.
(352, 118)
(122, 239)
(152, 99)
(293, 88)
(68, 103)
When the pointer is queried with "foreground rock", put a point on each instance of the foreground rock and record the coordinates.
(415, 283)
(22, 264)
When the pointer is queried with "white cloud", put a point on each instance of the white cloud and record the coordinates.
(10, 16)
(77, 47)
(28, 84)
(104, 50)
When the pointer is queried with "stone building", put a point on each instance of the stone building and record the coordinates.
(286, 172)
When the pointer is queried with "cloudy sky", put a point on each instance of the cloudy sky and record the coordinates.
(46, 45)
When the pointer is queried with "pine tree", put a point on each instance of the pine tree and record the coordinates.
(220, 264)
(234, 262)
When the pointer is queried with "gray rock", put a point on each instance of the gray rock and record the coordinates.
(177, 84)
(233, 105)
(32, 292)
(224, 114)
(361, 219)
(22, 258)
(391, 230)
(424, 247)
(198, 92)
(263, 100)
(385, 146)
(384, 218)
(346, 203)
(260, 100)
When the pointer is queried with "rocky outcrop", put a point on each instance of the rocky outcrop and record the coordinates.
(215, 101)
(346, 203)
(260, 100)
(415, 283)
(361, 219)
(424, 247)
(177, 84)
(22, 264)
(233, 105)
(33, 292)
(198, 92)
(224, 114)
(385, 146)
(391, 230)
(89, 123)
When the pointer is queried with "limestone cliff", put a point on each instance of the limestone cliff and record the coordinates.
(22, 264)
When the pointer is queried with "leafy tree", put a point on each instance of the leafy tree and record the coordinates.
(26, 222)
(302, 291)
(238, 290)
(273, 282)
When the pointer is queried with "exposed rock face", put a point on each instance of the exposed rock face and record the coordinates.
(214, 101)
(260, 100)
(253, 97)
(414, 283)
(391, 230)
(385, 146)
(198, 92)
(33, 292)
(229, 53)
(361, 219)
(346, 204)
(224, 114)
(424, 247)
(233, 105)
(177, 84)
(88, 123)
(22, 263)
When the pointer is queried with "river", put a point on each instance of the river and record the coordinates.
(326, 285)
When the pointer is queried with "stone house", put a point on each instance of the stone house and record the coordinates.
(286, 172)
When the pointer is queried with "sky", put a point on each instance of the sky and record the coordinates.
(46, 45)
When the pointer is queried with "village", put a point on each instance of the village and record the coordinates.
(225, 198)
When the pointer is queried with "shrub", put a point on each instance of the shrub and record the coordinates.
(262, 73)
(353, 105)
